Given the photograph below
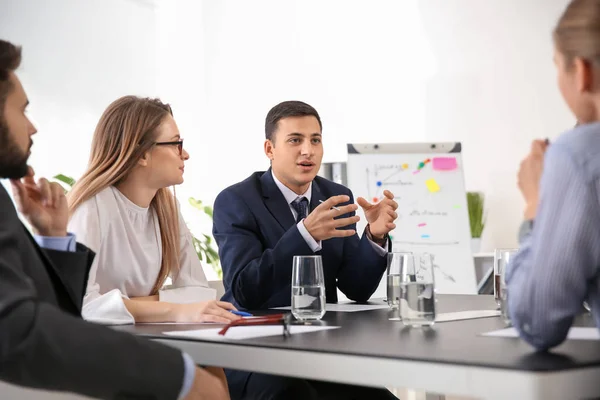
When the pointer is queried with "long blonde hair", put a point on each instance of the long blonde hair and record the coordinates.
(125, 132)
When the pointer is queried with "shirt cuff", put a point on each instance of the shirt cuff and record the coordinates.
(189, 374)
(525, 230)
(59, 243)
(310, 241)
(379, 249)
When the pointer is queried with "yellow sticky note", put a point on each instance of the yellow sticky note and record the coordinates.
(432, 185)
(404, 166)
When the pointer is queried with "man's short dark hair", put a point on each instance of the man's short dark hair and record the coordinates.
(10, 59)
(285, 110)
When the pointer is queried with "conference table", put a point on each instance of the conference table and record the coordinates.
(451, 358)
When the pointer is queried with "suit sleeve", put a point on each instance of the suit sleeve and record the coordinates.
(74, 268)
(44, 347)
(363, 266)
(248, 267)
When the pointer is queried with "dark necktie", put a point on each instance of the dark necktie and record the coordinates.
(301, 207)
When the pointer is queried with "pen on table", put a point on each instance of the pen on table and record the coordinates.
(334, 207)
(240, 313)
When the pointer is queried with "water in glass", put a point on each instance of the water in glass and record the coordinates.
(308, 288)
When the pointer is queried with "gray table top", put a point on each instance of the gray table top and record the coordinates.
(372, 334)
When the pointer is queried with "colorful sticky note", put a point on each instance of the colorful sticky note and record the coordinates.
(444, 164)
(432, 185)
(425, 236)
(404, 166)
(422, 225)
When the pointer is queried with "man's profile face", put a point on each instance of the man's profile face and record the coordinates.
(15, 132)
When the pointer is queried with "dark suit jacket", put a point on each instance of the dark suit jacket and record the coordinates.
(45, 344)
(257, 238)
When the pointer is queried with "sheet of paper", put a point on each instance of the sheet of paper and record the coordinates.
(347, 307)
(575, 333)
(444, 164)
(461, 315)
(247, 332)
(189, 323)
(432, 185)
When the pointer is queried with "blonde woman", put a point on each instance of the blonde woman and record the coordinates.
(123, 210)
(557, 267)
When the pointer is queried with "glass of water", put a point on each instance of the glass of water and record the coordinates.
(501, 259)
(417, 294)
(308, 288)
(395, 261)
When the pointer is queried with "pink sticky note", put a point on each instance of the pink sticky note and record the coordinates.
(444, 164)
(421, 225)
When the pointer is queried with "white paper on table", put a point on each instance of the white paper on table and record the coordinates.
(347, 307)
(191, 323)
(248, 332)
(461, 315)
(575, 333)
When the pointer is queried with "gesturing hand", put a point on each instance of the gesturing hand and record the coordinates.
(380, 216)
(321, 225)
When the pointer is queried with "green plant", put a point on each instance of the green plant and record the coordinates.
(475, 203)
(66, 180)
(203, 245)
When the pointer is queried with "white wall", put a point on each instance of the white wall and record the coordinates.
(78, 56)
(377, 71)
(474, 71)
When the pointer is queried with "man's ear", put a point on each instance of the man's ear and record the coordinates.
(269, 145)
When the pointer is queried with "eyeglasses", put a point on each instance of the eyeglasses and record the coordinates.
(178, 143)
(275, 319)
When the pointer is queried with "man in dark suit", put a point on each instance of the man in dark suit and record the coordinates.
(261, 223)
(44, 343)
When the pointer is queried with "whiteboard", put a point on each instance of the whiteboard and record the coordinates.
(427, 180)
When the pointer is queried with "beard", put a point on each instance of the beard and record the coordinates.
(13, 163)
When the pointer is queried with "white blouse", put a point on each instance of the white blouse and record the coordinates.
(128, 247)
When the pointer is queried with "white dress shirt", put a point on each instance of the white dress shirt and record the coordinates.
(290, 196)
(128, 247)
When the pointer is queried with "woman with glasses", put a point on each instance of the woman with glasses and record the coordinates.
(123, 210)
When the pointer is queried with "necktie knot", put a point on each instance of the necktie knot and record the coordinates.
(301, 207)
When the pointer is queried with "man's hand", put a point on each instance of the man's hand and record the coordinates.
(529, 176)
(43, 204)
(321, 225)
(380, 216)
(208, 386)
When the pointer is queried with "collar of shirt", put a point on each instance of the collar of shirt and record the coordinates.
(289, 194)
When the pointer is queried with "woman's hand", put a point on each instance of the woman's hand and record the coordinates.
(206, 311)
